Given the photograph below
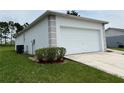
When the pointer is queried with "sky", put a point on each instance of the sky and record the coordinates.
(114, 17)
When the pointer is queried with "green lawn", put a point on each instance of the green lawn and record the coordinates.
(120, 49)
(18, 68)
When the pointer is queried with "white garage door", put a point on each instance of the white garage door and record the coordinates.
(79, 40)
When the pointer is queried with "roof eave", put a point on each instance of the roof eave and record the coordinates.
(48, 12)
(77, 17)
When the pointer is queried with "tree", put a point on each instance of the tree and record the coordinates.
(18, 27)
(1, 35)
(5, 30)
(68, 12)
(73, 12)
(9, 29)
(12, 29)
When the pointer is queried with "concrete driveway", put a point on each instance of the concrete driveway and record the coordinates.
(110, 62)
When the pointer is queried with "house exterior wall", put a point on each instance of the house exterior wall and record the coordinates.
(39, 33)
(46, 33)
(19, 40)
(104, 36)
(112, 32)
(69, 22)
(115, 41)
(114, 38)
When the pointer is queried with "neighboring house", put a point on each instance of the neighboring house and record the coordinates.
(114, 37)
(53, 29)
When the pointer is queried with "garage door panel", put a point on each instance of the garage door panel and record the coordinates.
(79, 40)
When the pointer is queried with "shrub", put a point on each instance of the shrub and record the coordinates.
(51, 55)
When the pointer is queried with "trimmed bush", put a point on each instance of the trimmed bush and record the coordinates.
(51, 55)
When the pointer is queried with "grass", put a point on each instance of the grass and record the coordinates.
(120, 49)
(18, 68)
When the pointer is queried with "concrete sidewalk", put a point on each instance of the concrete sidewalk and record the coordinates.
(110, 62)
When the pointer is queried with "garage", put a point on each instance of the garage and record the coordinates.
(79, 40)
(75, 33)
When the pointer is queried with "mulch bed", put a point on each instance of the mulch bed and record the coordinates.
(46, 62)
(51, 62)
